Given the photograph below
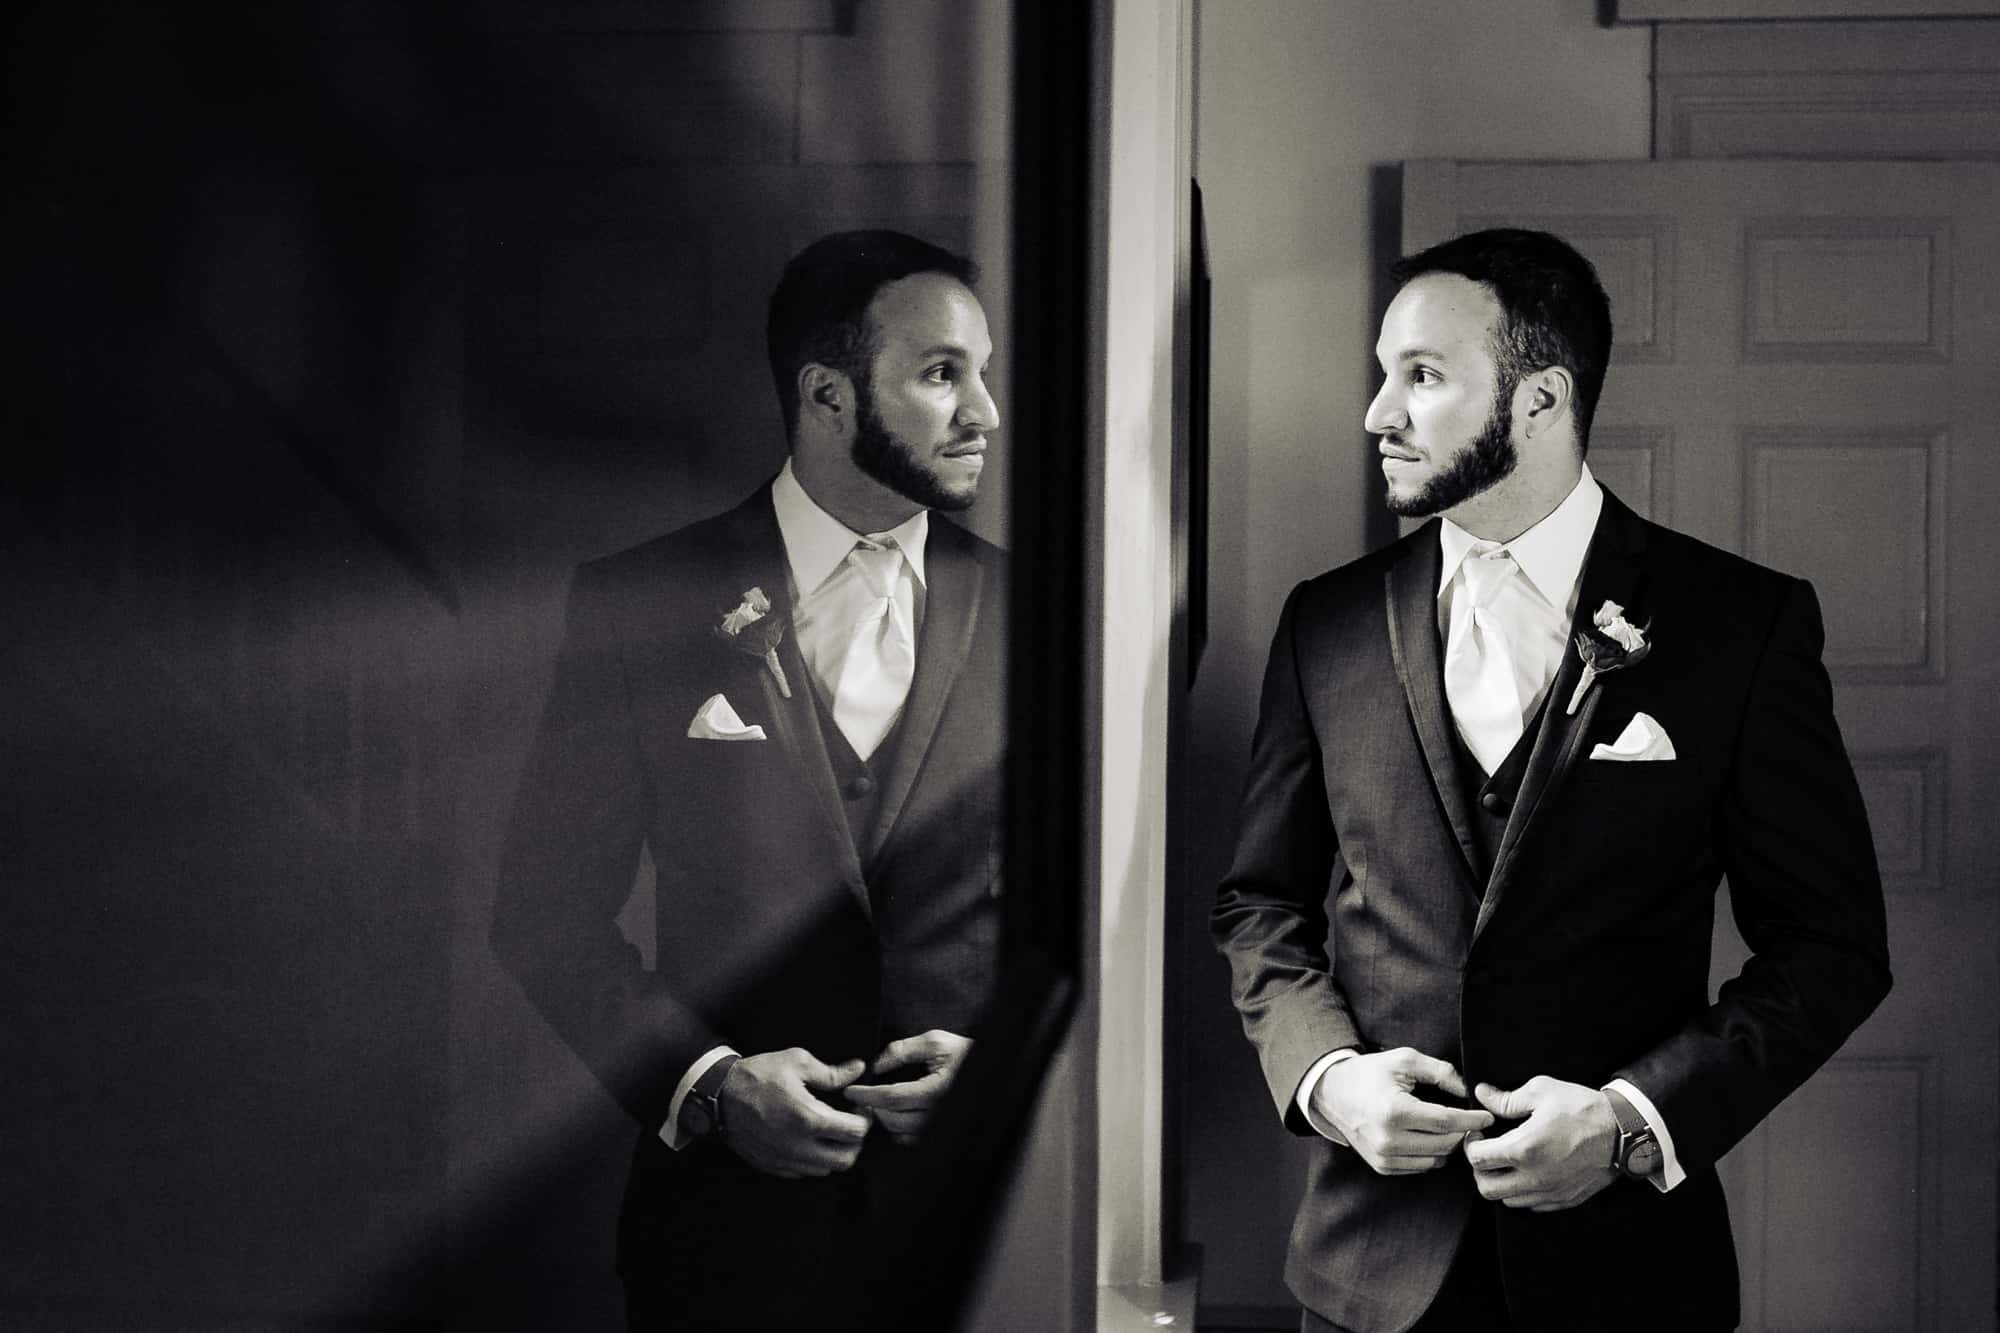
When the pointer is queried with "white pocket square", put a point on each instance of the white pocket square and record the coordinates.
(1642, 738)
(717, 721)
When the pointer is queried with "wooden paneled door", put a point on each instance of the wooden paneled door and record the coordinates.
(1807, 370)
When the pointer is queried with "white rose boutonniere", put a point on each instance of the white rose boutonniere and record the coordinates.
(751, 628)
(1612, 642)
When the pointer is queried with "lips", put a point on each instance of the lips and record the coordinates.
(1397, 454)
(972, 450)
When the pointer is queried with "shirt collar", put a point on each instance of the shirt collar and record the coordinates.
(816, 542)
(1550, 553)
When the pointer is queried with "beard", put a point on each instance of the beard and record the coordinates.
(1482, 463)
(898, 464)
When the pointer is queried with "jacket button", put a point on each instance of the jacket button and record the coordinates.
(860, 788)
(1492, 803)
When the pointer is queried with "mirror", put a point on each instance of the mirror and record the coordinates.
(340, 337)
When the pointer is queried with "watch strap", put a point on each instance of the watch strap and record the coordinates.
(705, 1097)
(1633, 1132)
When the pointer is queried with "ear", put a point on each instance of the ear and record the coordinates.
(825, 393)
(1542, 400)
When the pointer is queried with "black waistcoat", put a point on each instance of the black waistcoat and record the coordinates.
(859, 780)
(1490, 798)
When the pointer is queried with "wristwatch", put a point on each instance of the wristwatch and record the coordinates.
(701, 1110)
(1637, 1152)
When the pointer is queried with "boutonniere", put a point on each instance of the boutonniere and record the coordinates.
(752, 629)
(1611, 643)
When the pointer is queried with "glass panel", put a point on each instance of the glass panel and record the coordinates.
(398, 817)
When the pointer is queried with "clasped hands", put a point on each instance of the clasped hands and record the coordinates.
(777, 1116)
(1554, 1156)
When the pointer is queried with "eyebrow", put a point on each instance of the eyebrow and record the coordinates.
(944, 349)
(1420, 354)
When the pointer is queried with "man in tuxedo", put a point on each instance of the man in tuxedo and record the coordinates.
(795, 706)
(1499, 768)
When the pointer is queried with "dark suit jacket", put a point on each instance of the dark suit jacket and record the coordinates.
(772, 932)
(1359, 913)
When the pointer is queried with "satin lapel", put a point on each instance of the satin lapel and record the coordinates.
(758, 561)
(1411, 587)
(1611, 570)
(954, 583)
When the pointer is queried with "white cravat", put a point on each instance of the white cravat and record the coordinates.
(881, 657)
(1479, 679)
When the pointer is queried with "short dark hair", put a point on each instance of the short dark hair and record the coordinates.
(819, 311)
(1553, 309)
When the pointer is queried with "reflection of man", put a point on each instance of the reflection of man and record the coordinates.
(795, 707)
(1469, 917)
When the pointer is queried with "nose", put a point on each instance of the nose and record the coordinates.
(978, 409)
(1385, 413)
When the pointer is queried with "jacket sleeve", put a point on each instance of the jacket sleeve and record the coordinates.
(1807, 898)
(572, 851)
(1270, 918)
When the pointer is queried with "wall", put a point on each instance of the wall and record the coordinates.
(1145, 202)
(1304, 108)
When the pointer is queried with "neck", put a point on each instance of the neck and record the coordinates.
(861, 503)
(1526, 497)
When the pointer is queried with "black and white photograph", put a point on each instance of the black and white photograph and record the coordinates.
(999, 666)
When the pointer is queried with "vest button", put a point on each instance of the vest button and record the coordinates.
(1492, 803)
(861, 788)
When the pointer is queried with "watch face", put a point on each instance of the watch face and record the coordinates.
(1644, 1159)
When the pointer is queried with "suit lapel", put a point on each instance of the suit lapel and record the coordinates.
(757, 560)
(1411, 587)
(1611, 571)
(954, 582)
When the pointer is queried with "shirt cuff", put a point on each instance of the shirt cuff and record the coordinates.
(1305, 1093)
(1670, 1165)
(670, 1133)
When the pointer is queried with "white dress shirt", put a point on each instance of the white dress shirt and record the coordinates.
(1537, 611)
(827, 596)
(1537, 608)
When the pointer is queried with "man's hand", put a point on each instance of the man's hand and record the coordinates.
(1372, 1101)
(1556, 1157)
(902, 1108)
(772, 1120)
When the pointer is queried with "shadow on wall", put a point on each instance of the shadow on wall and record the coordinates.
(335, 336)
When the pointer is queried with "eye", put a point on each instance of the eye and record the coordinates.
(1423, 375)
(942, 373)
